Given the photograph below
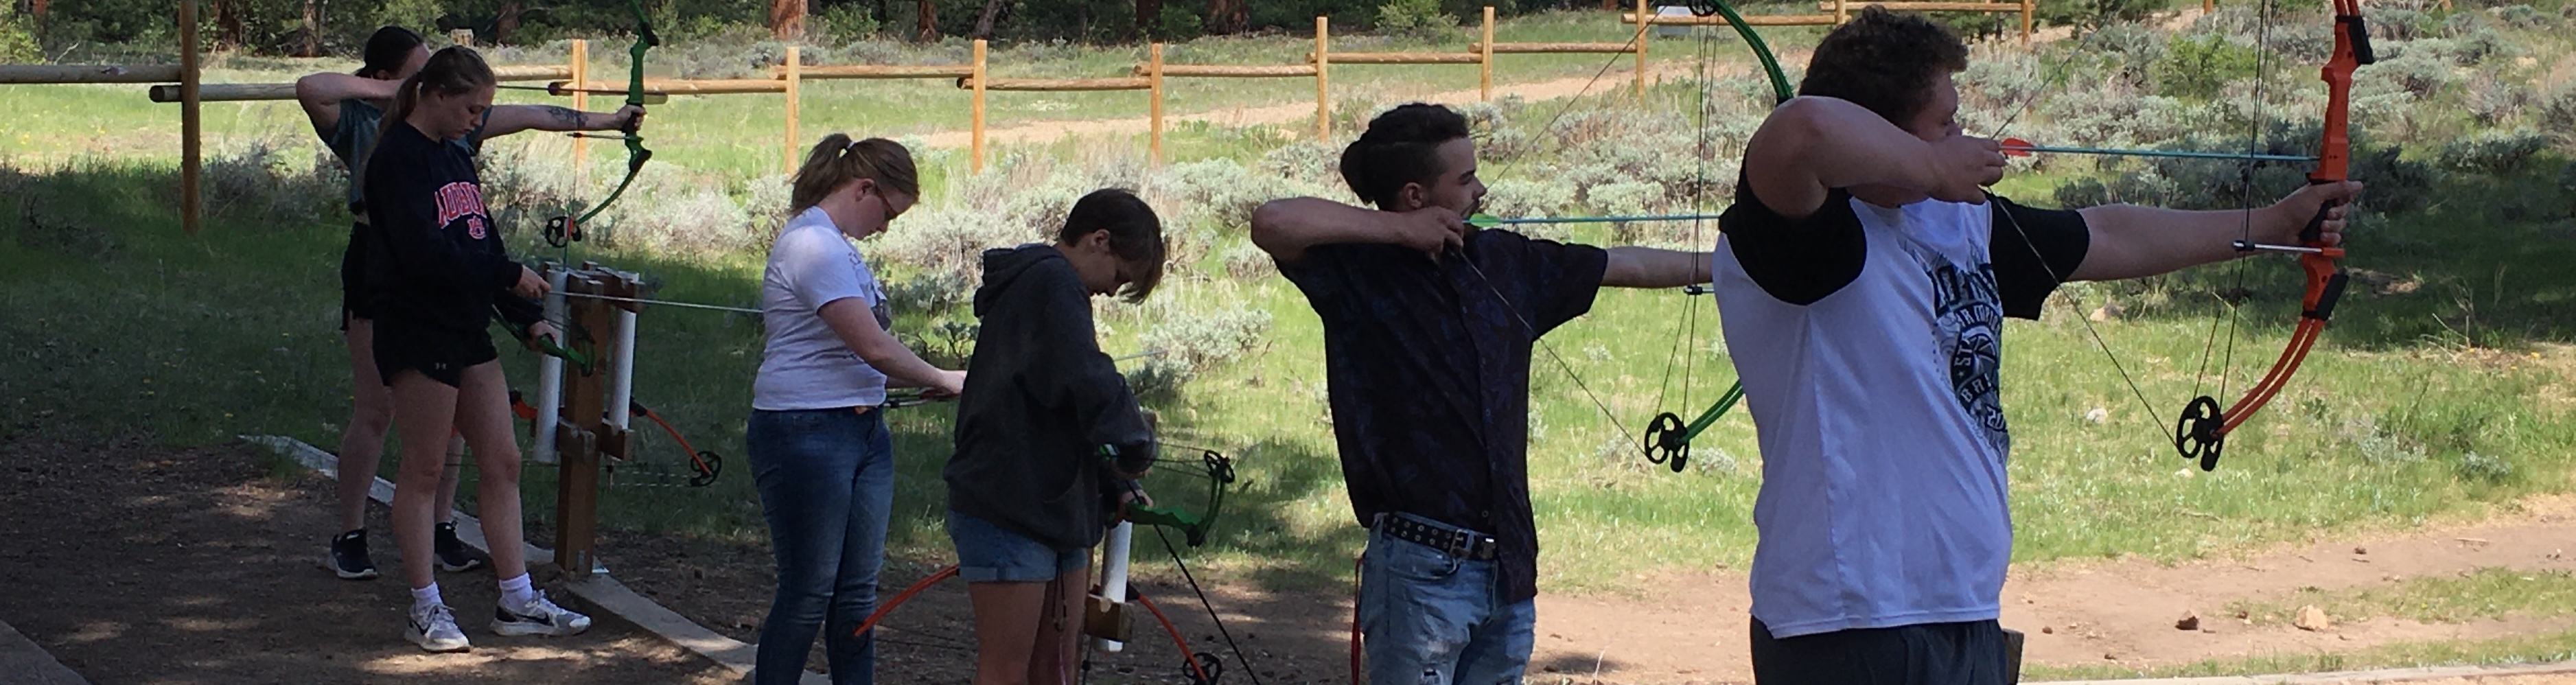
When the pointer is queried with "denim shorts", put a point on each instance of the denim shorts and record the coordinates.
(987, 553)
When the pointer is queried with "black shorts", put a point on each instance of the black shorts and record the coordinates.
(442, 354)
(1969, 653)
(354, 303)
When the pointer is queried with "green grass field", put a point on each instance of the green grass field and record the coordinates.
(2440, 394)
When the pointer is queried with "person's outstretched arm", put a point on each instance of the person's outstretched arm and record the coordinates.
(507, 119)
(1286, 228)
(2131, 241)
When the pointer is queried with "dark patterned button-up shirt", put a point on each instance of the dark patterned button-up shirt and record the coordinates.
(1429, 370)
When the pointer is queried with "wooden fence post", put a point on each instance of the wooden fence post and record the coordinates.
(795, 75)
(1842, 14)
(1154, 77)
(1485, 55)
(2026, 8)
(977, 166)
(191, 149)
(1645, 23)
(581, 101)
(1323, 91)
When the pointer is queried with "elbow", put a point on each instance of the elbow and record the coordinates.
(1269, 231)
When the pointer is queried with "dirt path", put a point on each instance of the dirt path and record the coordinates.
(1616, 80)
(134, 563)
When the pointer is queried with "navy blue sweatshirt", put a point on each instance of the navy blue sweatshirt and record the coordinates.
(438, 260)
(1040, 401)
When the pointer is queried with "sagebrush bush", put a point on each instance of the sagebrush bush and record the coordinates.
(275, 180)
(1417, 18)
(2491, 152)
(1201, 340)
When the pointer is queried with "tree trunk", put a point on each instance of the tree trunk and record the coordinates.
(928, 30)
(877, 11)
(787, 19)
(1148, 13)
(984, 22)
(228, 24)
(1226, 17)
(311, 45)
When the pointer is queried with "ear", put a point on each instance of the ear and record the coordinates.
(1411, 197)
(1097, 239)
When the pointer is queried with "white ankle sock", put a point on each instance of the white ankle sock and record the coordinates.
(516, 592)
(425, 596)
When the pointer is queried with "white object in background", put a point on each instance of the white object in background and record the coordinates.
(550, 371)
(1113, 573)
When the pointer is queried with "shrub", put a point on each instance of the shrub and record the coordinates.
(2198, 67)
(17, 43)
(1176, 23)
(258, 178)
(2558, 112)
(2491, 152)
(844, 22)
(1246, 261)
(1420, 18)
(1202, 340)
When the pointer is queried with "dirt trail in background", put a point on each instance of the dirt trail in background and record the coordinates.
(2119, 613)
(1617, 80)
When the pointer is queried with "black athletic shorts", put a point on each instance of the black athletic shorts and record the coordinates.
(440, 353)
(354, 303)
(1970, 653)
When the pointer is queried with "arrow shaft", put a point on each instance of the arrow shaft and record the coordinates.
(2180, 154)
(1606, 219)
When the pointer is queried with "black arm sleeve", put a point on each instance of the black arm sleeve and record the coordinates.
(1558, 281)
(519, 311)
(1798, 261)
(1079, 378)
(2034, 251)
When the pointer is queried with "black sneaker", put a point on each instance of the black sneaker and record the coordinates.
(349, 556)
(452, 553)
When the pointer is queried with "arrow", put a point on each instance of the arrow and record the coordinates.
(2016, 147)
(650, 97)
(1491, 221)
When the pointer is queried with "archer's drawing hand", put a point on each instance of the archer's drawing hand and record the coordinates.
(529, 285)
(2292, 214)
(1431, 230)
(1965, 165)
(1134, 497)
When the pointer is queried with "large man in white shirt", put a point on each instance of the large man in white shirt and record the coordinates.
(1865, 275)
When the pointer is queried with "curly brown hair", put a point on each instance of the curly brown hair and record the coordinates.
(1884, 61)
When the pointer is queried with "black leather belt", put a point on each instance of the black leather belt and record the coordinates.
(1458, 542)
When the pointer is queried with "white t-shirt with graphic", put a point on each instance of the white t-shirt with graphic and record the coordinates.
(806, 365)
(1868, 340)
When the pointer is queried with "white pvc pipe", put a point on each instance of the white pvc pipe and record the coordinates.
(550, 370)
(1113, 573)
(621, 379)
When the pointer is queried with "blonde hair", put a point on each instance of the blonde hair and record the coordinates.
(838, 160)
(450, 72)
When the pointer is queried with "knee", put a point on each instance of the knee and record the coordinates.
(501, 467)
(372, 418)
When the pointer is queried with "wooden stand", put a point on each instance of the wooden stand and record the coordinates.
(588, 431)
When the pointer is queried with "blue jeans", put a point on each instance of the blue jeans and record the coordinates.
(826, 480)
(1431, 618)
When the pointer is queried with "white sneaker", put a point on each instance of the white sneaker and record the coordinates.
(434, 629)
(537, 617)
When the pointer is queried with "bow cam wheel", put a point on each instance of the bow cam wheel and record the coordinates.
(2201, 432)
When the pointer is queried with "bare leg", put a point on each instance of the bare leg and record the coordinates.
(447, 479)
(1051, 657)
(483, 417)
(425, 414)
(1006, 626)
(362, 444)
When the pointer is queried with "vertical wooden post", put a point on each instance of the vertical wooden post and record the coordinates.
(795, 78)
(1154, 83)
(1645, 23)
(191, 149)
(583, 433)
(2025, 21)
(1323, 88)
(2208, 6)
(581, 101)
(1842, 14)
(977, 165)
(1485, 55)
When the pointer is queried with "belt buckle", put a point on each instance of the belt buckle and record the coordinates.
(1461, 545)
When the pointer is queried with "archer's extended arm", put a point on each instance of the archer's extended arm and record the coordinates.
(1285, 228)
(507, 119)
(2132, 241)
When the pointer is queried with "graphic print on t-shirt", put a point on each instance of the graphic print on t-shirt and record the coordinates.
(1969, 315)
(462, 199)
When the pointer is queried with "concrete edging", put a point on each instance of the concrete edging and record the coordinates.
(2392, 675)
(23, 662)
(599, 590)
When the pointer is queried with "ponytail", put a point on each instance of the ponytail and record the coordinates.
(450, 72)
(837, 161)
